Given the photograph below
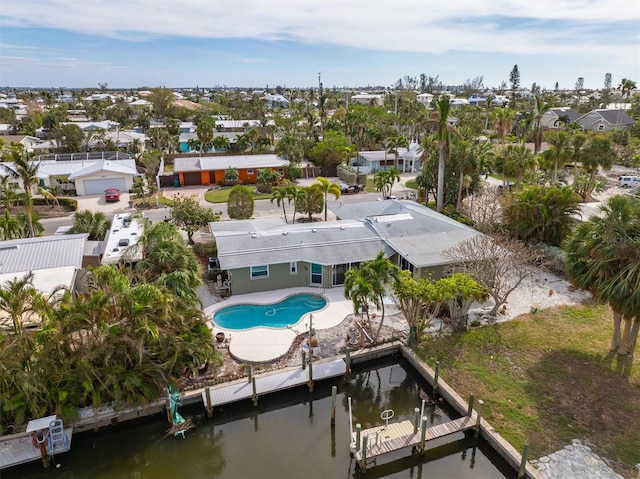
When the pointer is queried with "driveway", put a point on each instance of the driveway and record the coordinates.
(97, 203)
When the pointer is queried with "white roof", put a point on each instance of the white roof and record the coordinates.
(53, 260)
(127, 167)
(211, 163)
(124, 229)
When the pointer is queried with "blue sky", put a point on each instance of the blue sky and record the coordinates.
(135, 43)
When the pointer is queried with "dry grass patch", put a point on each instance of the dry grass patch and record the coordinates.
(546, 379)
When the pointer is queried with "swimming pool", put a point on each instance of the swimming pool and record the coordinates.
(276, 315)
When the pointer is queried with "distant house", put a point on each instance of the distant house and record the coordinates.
(368, 99)
(262, 255)
(93, 125)
(374, 161)
(551, 119)
(425, 98)
(207, 170)
(5, 129)
(605, 120)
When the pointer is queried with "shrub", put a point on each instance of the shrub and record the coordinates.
(206, 249)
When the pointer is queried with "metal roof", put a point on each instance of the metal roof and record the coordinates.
(127, 167)
(122, 239)
(329, 243)
(43, 252)
(209, 163)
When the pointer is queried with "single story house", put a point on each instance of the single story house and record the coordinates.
(54, 261)
(86, 173)
(373, 161)
(551, 119)
(605, 120)
(207, 170)
(262, 255)
(368, 99)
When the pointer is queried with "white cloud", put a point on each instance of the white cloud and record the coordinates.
(569, 27)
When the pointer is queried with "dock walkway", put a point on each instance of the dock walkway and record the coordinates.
(393, 437)
(19, 449)
(268, 383)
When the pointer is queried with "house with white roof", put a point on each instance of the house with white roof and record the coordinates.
(87, 173)
(207, 170)
(425, 98)
(368, 99)
(373, 161)
(54, 261)
(264, 254)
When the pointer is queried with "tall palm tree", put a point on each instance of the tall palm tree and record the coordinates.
(393, 145)
(560, 150)
(20, 302)
(502, 120)
(21, 167)
(296, 196)
(599, 153)
(280, 194)
(602, 257)
(443, 134)
(539, 110)
(327, 187)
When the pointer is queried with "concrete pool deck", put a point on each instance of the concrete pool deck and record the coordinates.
(264, 344)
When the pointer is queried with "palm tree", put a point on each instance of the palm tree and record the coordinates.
(280, 194)
(597, 154)
(296, 196)
(326, 187)
(95, 224)
(502, 120)
(20, 302)
(443, 134)
(11, 228)
(8, 195)
(539, 110)
(560, 150)
(27, 171)
(369, 282)
(205, 132)
(602, 257)
(393, 144)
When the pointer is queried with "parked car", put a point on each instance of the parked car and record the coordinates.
(111, 194)
(629, 181)
(345, 189)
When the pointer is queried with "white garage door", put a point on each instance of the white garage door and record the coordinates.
(97, 187)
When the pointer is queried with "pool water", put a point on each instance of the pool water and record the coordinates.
(276, 315)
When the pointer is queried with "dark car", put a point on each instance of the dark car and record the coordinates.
(346, 189)
(111, 194)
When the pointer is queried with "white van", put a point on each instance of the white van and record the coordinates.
(629, 181)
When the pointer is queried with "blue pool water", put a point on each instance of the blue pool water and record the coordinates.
(277, 315)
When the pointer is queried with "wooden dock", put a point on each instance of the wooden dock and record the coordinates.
(19, 449)
(272, 382)
(396, 436)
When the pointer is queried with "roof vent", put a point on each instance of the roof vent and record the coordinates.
(285, 233)
(314, 230)
(254, 235)
(343, 228)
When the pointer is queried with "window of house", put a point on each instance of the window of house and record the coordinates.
(258, 272)
(293, 267)
(281, 171)
(600, 127)
(249, 171)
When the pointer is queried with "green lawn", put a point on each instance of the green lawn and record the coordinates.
(221, 195)
(412, 184)
(545, 380)
(152, 200)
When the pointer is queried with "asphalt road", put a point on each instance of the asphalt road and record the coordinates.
(262, 208)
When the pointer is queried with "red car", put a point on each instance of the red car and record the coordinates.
(111, 194)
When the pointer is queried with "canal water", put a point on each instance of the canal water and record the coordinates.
(288, 435)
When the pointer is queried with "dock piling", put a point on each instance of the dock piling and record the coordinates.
(435, 378)
(470, 408)
(209, 406)
(416, 420)
(363, 461)
(423, 433)
(347, 361)
(310, 383)
(479, 418)
(249, 371)
(254, 396)
(167, 403)
(304, 360)
(523, 462)
(334, 393)
(358, 432)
